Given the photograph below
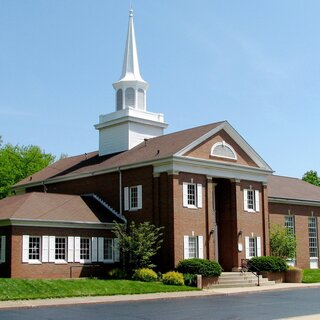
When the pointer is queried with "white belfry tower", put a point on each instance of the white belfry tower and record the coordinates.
(130, 124)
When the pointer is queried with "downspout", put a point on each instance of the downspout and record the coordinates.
(120, 191)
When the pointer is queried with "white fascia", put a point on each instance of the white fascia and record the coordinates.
(213, 169)
(298, 202)
(56, 224)
(236, 137)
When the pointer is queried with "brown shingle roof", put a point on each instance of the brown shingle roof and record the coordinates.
(292, 188)
(153, 149)
(55, 207)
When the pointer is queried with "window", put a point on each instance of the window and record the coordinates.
(34, 248)
(223, 150)
(192, 195)
(60, 248)
(141, 99)
(251, 200)
(107, 249)
(289, 224)
(130, 97)
(193, 247)
(119, 99)
(2, 249)
(253, 247)
(313, 237)
(133, 198)
(84, 248)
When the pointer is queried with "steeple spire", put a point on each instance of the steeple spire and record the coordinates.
(130, 68)
(131, 89)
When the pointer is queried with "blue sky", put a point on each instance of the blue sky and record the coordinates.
(253, 63)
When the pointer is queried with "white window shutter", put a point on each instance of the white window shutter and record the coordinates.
(3, 249)
(126, 198)
(139, 197)
(25, 248)
(116, 250)
(200, 247)
(52, 248)
(259, 246)
(100, 249)
(70, 249)
(257, 200)
(76, 249)
(245, 199)
(186, 247)
(94, 251)
(199, 195)
(247, 247)
(185, 194)
(45, 249)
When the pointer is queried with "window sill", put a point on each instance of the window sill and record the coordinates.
(192, 207)
(60, 262)
(34, 262)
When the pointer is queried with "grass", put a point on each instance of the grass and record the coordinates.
(22, 289)
(311, 276)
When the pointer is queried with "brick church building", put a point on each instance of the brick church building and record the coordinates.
(212, 192)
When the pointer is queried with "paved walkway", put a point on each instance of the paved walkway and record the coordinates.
(151, 296)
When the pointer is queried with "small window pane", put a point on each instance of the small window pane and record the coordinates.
(250, 200)
(133, 197)
(60, 248)
(252, 247)
(85, 249)
(191, 194)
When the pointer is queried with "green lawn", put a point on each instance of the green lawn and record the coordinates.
(19, 289)
(311, 276)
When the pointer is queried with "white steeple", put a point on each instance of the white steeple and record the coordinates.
(130, 124)
(131, 88)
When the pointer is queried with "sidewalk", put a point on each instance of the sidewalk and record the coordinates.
(152, 296)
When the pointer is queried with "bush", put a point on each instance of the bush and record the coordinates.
(117, 273)
(173, 278)
(206, 268)
(271, 264)
(190, 279)
(145, 274)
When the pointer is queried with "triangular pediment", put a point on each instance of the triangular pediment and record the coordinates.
(224, 144)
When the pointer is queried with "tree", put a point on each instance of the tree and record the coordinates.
(138, 244)
(312, 177)
(19, 162)
(282, 242)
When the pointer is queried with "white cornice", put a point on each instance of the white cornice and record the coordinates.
(294, 201)
(55, 224)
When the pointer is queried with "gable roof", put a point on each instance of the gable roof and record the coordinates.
(292, 189)
(52, 207)
(152, 150)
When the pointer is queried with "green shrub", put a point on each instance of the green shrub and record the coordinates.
(271, 264)
(190, 279)
(173, 278)
(204, 267)
(117, 273)
(145, 274)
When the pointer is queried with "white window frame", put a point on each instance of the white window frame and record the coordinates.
(197, 195)
(257, 247)
(199, 240)
(129, 192)
(313, 241)
(60, 261)
(289, 224)
(115, 250)
(255, 200)
(3, 249)
(26, 248)
(77, 250)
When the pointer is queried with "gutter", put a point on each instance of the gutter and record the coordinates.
(312, 203)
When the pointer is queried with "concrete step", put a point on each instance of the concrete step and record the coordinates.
(232, 285)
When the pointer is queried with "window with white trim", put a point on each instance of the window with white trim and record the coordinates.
(313, 237)
(2, 249)
(34, 248)
(193, 247)
(85, 249)
(251, 200)
(192, 195)
(223, 150)
(289, 224)
(60, 248)
(133, 198)
(107, 249)
(253, 247)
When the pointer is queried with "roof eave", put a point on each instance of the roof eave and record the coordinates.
(301, 202)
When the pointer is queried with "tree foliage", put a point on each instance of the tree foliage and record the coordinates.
(282, 242)
(138, 244)
(19, 162)
(312, 177)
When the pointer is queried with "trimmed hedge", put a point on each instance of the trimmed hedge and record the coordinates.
(271, 264)
(173, 278)
(145, 274)
(204, 267)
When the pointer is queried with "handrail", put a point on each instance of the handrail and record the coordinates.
(248, 266)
